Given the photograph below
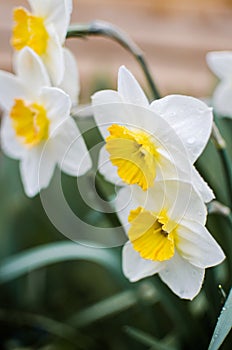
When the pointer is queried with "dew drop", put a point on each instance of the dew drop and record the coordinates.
(191, 140)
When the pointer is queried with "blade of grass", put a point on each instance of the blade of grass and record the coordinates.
(147, 339)
(22, 263)
(223, 326)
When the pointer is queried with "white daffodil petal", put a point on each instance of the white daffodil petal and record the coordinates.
(134, 267)
(201, 186)
(9, 143)
(74, 158)
(220, 62)
(222, 98)
(107, 169)
(11, 87)
(70, 82)
(57, 12)
(190, 118)
(196, 245)
(57, 105)
(184, 279)
(125, 202)
(179, 198)
(108, 109)
(36, 169)
(54, 57)
(31, 70)
(129, 89)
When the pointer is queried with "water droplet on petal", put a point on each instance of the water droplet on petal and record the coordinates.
(191, 140)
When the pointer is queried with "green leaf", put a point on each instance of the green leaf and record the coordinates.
(147, 339)
(22, 263)
(223, 325)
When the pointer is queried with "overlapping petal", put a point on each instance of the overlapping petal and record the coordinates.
(180, 206)
(10, 86)
(220, 63)
(34, 173)
(31, 71)
(54, 57)
(129, 89)
(179, 125)
(183, 278)
(196, 245)
(73, 156)
(53, 136)
(9, 143)
(190, 118)
(70, 82)
(135, 267)
(222, 98)
(57, 104)
(53, 18)
(57, 12)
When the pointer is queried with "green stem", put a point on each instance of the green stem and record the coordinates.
(55, 328)
(106, 29)
(225, 160)
(145, 293)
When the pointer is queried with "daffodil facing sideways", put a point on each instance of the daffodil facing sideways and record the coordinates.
(37, 127)
(167, 235)
(148, 142)
(220, 62)
(44, 31)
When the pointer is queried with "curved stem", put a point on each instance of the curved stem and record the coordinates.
(106, 29)
(53, 327)
(225, 160)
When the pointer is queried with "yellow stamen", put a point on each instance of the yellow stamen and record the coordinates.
(30, 122)
(148, 234)
(29, 30)
(135, 155)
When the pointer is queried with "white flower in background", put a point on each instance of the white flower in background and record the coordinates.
(44, 31)
(37, 128)
(70, 82)
(167, 235)
(221, 64)
(146, 142)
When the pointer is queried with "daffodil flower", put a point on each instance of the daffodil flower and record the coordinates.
(44, 31)
(37, 128)
(70, 82)
(167, 235)
(221, 64)
(146, 142)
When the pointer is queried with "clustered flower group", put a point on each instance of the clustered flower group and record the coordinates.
(150, 148)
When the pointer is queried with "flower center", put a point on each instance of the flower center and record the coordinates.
(151, 235)
(30, 122)
(135, 155)
(29, 31)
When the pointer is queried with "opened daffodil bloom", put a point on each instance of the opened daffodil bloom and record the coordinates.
(37, 127)
(220, 62)
(147, 142)
(44, 31)
(167, 235)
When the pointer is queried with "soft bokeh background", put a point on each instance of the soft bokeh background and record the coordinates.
(43, 308)
(175, 35)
